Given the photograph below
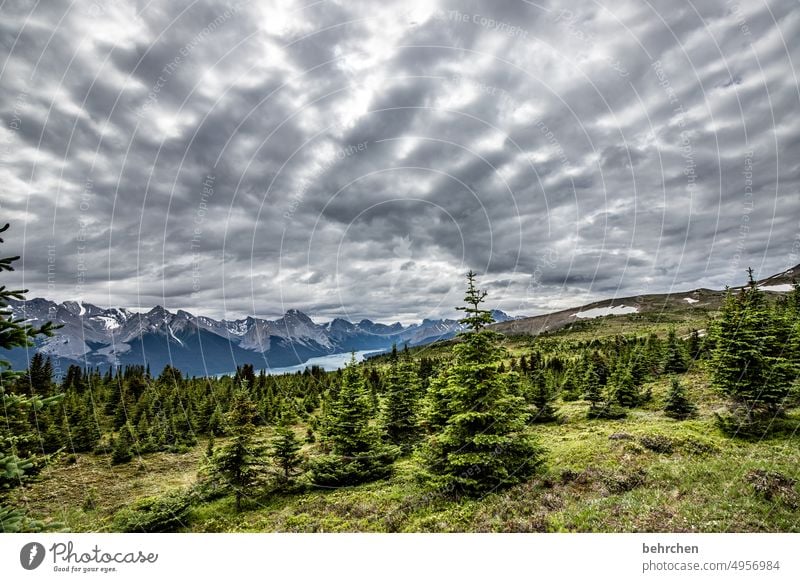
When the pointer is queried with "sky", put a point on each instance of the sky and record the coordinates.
(354, 159)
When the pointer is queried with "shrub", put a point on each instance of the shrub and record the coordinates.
(773, 486)
(625, 482)
(154, 514)
(740, 422)
(608, 411)
(335, 471)
(658, 443)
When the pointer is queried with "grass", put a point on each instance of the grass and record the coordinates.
(84, 495)
(601, 476)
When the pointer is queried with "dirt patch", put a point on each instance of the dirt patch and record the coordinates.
(658, 444)
(626, 481)
(773, 486)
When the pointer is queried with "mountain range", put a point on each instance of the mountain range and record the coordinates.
(198, 345)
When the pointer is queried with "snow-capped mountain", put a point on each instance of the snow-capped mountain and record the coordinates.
(91, 335)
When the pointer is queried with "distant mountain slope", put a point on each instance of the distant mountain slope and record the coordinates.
(781, 282)
(94, 336)
(707, 299)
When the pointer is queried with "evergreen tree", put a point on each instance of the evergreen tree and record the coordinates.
(52, 428)
(622, 387)
(425, 373)
(595, 393)
(238, 464)
(245, 376)
(749, 363)
(286, 450)
(695, 347)
(483, 443)
(73, 379)
(399, 415)
(601, 367)
(543, 397)
(638, 366)
(570, 387)
(674, 358)
(678, 405)
(39, 378)
(83, 430)
(593, 389)
(123, 446)
(18, 439)
(434, 412)
(654, 354)
(357, 454)
(215, 423)
(182, 430)
(147, 443)
(538, 391)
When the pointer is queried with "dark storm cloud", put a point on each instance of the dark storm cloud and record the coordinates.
(356, 158)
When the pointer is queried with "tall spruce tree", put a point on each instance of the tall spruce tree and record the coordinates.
(570, 386)
(542, 395)
(601, 404)
(483, 443)
(19, 440)
(654, 354)
(792, 315)
(696, 346)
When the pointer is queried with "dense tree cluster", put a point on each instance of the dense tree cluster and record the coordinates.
(755, 357)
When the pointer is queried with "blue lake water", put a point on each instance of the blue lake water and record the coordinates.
(327, 363)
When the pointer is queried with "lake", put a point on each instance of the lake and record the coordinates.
(327, 363)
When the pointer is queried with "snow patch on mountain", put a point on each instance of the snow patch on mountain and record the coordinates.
(172, 335)
(784, 288)
(108, 322)
(603, 311)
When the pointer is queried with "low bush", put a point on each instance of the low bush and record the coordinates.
(161, 514)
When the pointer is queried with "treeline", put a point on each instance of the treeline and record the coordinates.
(129, 411)
(608, 373)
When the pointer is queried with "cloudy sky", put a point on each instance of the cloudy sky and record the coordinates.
(355, 158)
